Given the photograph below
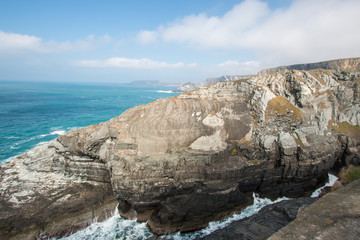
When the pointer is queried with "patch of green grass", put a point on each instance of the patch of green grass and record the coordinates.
(345, 128)
(298, 140)
(350, 174)
(281, 105)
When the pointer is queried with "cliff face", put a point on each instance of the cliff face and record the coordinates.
(183, 161)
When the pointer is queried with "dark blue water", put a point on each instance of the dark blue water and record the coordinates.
(35, 112)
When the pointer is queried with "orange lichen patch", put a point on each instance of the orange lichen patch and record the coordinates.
(244, 141)
(240, 80)
(255, 161)
(234, 152)
(299, 79)
(322, 105)
(345, 128)
(281, 106)
(331, 96)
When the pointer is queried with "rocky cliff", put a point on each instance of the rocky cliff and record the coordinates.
(181, 162)
(347, 64)
(210, 81)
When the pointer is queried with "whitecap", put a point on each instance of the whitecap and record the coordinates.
(165, 91)
(12, 137)
(58, 132)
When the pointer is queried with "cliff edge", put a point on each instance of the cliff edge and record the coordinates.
(180, 162)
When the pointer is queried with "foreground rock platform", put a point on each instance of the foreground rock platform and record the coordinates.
(334, 216)
(265, 223)
(181, 162)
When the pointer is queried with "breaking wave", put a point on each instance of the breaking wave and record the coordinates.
(165, 91)
(119, 228)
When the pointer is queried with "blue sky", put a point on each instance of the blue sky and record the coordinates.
(122, 41)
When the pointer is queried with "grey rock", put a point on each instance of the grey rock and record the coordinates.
(263, 224)
(185, 87)
(334, 216)
(348, 64)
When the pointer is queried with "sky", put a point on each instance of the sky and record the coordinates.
(178, 41)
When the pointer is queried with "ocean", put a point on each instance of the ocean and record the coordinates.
(35, 112)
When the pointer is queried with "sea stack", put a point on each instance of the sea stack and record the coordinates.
(183, 161)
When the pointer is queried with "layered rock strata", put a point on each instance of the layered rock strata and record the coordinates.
(181, 162)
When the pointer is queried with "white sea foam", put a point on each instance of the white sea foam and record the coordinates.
(113, 228)
(17, 144)
(40, 143)
(119, 228)
(12, 137)
(58, 132)
(165, 91)
(54, 131)
(8, 159)
(330, 183)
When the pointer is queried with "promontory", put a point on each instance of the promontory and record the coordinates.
(181, 162)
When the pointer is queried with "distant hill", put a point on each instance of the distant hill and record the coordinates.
(348, 64)
(155, 83)
(209, 81)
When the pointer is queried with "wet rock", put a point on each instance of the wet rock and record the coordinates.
(334, 216)
(265, 223)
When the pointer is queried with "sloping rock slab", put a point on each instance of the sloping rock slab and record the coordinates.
(334, 216)
(263, 224)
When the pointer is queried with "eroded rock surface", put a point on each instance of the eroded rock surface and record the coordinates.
(263, 224)
(183, 161)
(334, 216)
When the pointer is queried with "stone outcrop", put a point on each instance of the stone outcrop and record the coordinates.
(181, 162)
(263, 224)
(210, 81)
(334, 216)
(185, 87)
(42, 193)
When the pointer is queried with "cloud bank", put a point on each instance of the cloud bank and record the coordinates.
(14, 42)
(307, 30)
(141, 63)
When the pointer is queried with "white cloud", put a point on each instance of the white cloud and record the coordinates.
(14, 42)
(234, 67)
(307, 30)
(134, 63)
(147, 36)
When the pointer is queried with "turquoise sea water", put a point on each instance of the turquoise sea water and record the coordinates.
(35, 112)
